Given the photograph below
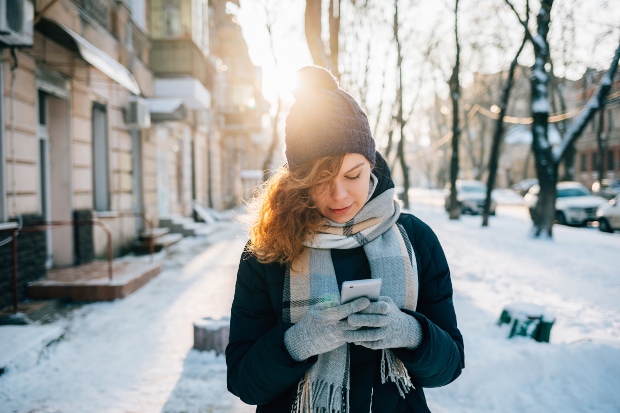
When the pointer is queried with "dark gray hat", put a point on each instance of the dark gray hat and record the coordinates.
(324, 120)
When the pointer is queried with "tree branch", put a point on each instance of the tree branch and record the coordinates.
(528, 34)
(597, 101)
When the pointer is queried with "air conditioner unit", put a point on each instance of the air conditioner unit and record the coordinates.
(137, 115)
(16, 23)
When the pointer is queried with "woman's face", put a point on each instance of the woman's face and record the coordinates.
(340, 200)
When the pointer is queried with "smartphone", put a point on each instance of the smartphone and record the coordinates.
(352, 290)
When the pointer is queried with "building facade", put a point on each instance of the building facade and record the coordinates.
(114, 112)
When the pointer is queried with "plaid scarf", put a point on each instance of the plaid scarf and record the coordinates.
(311, 279)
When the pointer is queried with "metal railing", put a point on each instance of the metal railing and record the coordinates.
(149, 222)
(44, 226)
(49, 225)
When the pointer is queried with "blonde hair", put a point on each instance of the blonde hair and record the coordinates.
(285, 212)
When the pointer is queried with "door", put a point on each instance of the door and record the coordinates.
(60, 179)
(101, 177)
(136, 176)
(44, 172)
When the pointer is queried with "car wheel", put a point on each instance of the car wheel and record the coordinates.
(604, 226)
(560, 218)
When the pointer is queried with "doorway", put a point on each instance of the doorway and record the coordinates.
(56, 185)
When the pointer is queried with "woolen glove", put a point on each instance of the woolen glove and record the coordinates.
(322, 328)
(399, 329)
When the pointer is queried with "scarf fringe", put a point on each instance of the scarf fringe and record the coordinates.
(320, 397)
(394, 370)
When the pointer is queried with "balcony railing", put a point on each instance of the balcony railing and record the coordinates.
(171, 57)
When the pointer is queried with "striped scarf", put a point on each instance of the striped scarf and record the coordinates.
(311, 279)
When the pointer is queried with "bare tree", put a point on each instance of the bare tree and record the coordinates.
(602, 144)
(499, 132)
(313, 14)
(546, 157)
(455, 92)
(275, 135)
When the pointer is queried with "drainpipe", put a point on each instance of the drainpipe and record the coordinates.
(3, 216)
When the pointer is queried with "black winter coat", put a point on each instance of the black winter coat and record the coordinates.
(261, 371)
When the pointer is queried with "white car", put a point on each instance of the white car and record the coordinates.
(609, 215)
(470, 196)
(574, 205)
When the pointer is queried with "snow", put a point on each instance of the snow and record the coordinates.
(210, 324)
(135, 354)
(521, 134)
(540, 105)
(20, 345)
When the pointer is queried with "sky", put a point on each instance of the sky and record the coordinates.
(589, 18)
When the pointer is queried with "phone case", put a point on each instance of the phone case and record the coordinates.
(352, 290)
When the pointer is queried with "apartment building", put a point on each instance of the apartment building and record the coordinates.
(116, 110)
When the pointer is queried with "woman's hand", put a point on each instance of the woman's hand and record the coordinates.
(322, 329)
(395, 329)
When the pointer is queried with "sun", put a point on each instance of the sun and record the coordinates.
(279, 81)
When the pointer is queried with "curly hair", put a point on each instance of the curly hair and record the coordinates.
(285, 212)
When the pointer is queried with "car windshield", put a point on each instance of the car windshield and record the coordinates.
(566, 192)
(473, 189)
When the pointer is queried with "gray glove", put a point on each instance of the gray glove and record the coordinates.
(322, 328)
(395, 328)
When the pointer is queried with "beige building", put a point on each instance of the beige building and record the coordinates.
(118, 108)
(588, 153)
(67, 143)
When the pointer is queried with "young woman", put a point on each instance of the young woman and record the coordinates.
(327, 217)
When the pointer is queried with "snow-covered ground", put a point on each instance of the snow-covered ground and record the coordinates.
(134, 355)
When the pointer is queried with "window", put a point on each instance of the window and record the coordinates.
(594, 161)
(42, 108)
(172, 19)
(101, 179)
(584, 163)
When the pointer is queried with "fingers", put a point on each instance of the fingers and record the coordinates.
(372, 334)
(378, 307)
(345, 326)
(368, 320)
(386, 299)
(343, 311)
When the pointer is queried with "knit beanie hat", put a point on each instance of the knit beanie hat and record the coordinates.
(324, 120)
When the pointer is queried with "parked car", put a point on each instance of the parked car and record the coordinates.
(574, 204)
(609, 215)
(470, 196)
(608, 188)
(523, 186)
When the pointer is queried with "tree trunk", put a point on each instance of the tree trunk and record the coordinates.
(275, 139)
(313, 34)
(455, 92)
(602, 146)
(546, 168)
(400, 117)
(334, 30)
(497, 136)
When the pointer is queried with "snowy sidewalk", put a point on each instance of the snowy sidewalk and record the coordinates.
(134, 355)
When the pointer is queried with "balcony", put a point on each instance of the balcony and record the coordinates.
(242, 121)
(174, 57)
